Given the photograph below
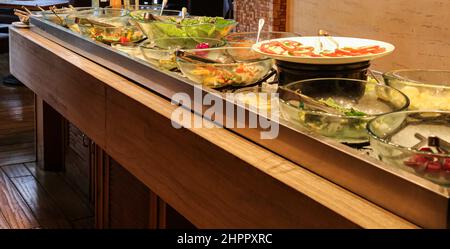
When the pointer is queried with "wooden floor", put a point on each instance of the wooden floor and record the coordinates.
(29, 197)
(16, 121)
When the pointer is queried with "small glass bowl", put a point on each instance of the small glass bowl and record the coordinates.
(233, 67)
(129, 48)
(401, 140)
(262, 98)
(354, 95)
(163, 50)
(247, 39)
(426, 89)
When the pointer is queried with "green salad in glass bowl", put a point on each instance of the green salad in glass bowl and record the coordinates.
(353, 104)
(155, 26)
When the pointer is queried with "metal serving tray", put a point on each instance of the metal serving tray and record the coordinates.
(418, 200)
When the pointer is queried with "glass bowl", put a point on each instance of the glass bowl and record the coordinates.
(105, 25)
(191, 26)
(247, 39)
(163, 50)
(138, 15)
(141, 7)
(62, 14)
(426, 89)
(108, 35)
(408, 140)
(231, 67)
(263, 98)
(115, 17)
(129, 48)
(355, 103)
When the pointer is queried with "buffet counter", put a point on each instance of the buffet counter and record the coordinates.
(214, 177)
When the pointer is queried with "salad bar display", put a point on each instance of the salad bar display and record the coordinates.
(170, 51)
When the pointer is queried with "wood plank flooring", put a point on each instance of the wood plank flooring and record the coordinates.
(30, 197)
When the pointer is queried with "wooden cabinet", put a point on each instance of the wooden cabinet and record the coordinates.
(123, 201)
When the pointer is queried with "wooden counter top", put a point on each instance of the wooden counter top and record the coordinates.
(213, 177)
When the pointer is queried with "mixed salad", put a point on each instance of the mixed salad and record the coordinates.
(122, 35)
(242, 74)
(422, 99)
(294, 48)
(346, 111)
(350, 127)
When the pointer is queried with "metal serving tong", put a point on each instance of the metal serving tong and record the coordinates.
(330, 38)
(431, 141)
(193, 58)
(287, 95)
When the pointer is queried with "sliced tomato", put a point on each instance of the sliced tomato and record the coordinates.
(266, 48)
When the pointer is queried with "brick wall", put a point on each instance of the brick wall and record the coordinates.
(248, 12)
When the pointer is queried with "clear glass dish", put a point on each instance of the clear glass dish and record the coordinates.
(426, 89)
(62, 14)
(247, 39)
(106, 25)
(407, 140)
(263, 98)
(232, 67)
(356, 103)
(163, 50)
(129, 48)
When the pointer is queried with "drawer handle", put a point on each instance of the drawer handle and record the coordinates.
(85, 140)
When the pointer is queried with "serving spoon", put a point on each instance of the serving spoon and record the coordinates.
(260, 27)
(164, 3)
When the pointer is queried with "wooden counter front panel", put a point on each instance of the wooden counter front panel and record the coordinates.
(209, 186)
(75, 94)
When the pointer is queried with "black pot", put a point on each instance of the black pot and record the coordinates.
(290, 72)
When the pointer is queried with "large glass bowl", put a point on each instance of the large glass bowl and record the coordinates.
(247, 39)
(408, 140)
(232, 67)
(141, 7)
(123, 34)
(426, 89)
(355, 101)
(62, 14)
(115, 17)
(129, 48)
(106, 25)
(162, 51)
(191, 26)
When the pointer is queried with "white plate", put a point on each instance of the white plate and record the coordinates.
(20, 25)
(313, 41)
